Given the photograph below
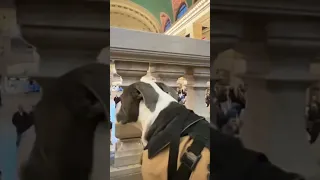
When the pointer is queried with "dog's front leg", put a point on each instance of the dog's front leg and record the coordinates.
(145, 128)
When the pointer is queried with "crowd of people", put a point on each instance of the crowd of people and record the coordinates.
(33, 86)
(228, 104)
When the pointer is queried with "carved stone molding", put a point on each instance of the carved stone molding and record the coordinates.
(198, 10)
(158, 48)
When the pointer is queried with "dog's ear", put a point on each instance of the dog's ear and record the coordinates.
(148, 94)
(168, 90)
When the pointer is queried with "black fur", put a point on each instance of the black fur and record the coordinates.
(131, 98)
(65, 121)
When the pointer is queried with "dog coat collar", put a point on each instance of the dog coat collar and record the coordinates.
(160, 133)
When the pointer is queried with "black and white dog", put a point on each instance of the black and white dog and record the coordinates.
(142, 102)
(155, 107)
(160, 115)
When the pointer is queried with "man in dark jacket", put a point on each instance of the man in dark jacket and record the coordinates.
(22, 122)
(116, 100)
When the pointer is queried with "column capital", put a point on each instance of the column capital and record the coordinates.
(130, 71)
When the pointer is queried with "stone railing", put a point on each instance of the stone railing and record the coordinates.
(166, 59)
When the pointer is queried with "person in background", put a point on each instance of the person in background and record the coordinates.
(207, 99)
(231, 127)
(182, 94)
(110, 124)
(22, 122)
(116, 100)
(313, 120)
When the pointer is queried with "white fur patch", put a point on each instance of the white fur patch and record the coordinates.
(146, 117)
(118, 107)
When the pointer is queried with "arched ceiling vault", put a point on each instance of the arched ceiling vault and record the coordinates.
(129, 15)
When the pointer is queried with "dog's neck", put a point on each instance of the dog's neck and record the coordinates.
(146, 117)
(166, 116)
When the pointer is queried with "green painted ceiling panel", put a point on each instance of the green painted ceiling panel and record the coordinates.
(155, 7)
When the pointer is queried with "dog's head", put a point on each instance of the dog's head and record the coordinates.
(144, 101)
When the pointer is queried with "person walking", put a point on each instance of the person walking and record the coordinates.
(22, 122)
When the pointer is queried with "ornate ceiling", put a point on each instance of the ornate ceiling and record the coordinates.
(129, 15)
(145, 15)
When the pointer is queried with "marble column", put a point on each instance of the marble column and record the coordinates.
(191, 96)
(201, 76)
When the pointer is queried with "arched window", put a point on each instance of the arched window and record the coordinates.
(167, 25)
(182, 10)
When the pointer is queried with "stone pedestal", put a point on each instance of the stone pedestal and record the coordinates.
(128, 152)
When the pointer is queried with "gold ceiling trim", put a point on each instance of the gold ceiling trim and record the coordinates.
(136, 12)
(200, 11)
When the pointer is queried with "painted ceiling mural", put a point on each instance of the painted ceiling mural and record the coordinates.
(165, 12)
